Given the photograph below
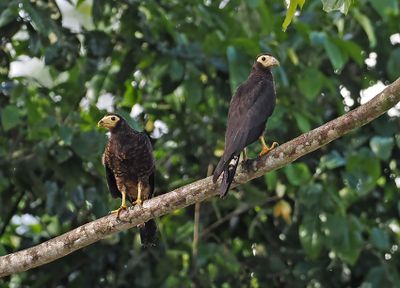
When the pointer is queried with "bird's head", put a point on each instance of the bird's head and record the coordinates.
(111, 121)
(267, 61)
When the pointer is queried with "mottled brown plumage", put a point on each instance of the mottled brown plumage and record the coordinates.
(129, 162)
(250, 107)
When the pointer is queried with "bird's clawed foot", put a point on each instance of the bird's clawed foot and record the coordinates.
(138, 202)
(118, 211)
(141, 225)
(266, 149)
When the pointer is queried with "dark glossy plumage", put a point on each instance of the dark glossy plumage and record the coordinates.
(250, 107)
(128, 159)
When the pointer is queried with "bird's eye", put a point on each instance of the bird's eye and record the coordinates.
(263, 58)
(113, 118)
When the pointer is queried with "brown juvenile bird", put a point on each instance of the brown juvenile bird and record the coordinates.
(250, 107)
(129, 162)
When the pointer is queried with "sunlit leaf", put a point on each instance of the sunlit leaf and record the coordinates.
(291, 11)
(283, 209)
(332, 5)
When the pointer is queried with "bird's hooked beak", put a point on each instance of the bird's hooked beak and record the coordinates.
(268, 61)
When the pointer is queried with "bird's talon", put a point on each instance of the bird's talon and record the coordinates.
(118, 211)
(265, 150)
(138, 202)
(141, 225)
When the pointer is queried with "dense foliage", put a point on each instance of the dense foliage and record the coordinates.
(330, 219)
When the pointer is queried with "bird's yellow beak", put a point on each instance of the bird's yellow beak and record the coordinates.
(100, 123)
(274, 62)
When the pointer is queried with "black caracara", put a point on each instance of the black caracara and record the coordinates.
(129, 163)
(250, 107)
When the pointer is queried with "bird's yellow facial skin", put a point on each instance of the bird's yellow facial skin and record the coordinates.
(108, 121)
(267, 61)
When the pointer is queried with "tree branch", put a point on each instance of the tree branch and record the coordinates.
(200, 190)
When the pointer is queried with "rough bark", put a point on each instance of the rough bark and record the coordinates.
(200, 190)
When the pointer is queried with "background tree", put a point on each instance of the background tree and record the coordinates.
(330, 219)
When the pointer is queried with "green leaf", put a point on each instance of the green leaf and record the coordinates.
(10, 117)
(332, 5)
(271, 178)
(382, 146)
(380, 239)
(8, 15)
(310, 236)
(88, 145)
(310, 83)
(66, 134)
(302, 122)
(367, 26)
(386, 8)
(376, 278)
(336, 56)
(291, 11)
(52, 197)
(98, 44)
(352, 48)
(393, 64)
(362, 171)
(297, 173)
(344, 236)
(193, 92)
(332, 160)
(40, 19)
(238, 67)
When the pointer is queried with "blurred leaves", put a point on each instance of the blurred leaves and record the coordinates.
(382, 146)
(297, 173)
(10, 117)
(330, 219)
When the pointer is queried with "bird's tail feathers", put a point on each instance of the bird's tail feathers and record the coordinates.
(229, 174)
(218, 170)
(148, 233)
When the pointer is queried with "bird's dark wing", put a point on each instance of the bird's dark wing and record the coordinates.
(148, 233)
(111, 183)
(248, 115)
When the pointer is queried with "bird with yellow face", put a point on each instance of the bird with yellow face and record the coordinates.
(249, 110)
(129, 162)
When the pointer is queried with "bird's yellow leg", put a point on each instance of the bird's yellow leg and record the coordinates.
(265, 148)
(123, 205)
(139, 194)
